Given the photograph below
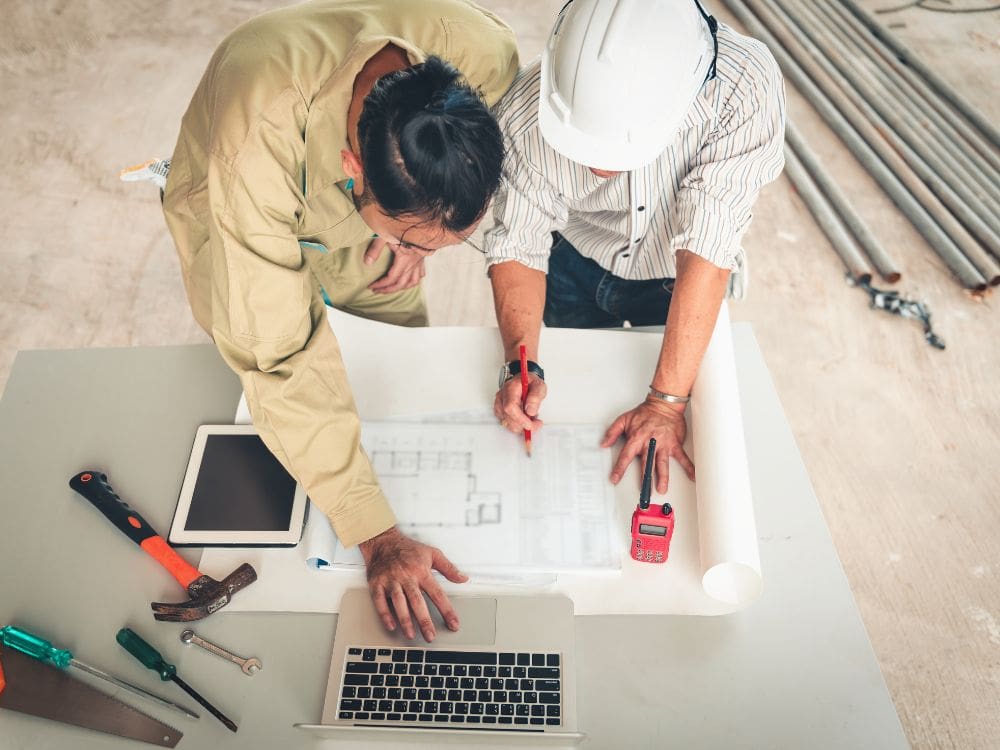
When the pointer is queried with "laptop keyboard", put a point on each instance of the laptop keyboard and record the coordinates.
(457, 689)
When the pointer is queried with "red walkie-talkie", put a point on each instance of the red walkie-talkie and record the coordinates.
(652, 527)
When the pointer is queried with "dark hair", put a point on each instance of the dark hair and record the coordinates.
(430, 147)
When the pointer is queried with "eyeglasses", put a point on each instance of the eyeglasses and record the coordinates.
(713, 28)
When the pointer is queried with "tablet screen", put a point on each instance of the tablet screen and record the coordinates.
(240, 487)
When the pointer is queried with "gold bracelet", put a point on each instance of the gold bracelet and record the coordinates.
(669, 398)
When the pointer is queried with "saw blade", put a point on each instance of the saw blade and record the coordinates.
(41, 690)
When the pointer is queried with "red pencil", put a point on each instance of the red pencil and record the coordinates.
(524, 393)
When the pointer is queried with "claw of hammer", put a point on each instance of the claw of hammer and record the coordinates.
(207, 594)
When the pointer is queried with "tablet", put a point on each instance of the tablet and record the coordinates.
(236, 493)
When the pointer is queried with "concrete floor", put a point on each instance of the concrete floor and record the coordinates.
(901, 440)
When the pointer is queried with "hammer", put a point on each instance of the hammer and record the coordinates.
(207, 594)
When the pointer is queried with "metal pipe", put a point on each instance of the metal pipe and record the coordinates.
(891, 147)
(878, 255)
(938, 240)
(924, 133)
(926, 96)
(841, 240)
(908, 58)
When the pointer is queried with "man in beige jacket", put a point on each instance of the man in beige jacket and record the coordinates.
(318, 135)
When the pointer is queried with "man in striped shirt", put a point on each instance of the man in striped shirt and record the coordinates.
(636, 149)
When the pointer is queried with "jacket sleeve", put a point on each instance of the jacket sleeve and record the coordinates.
(270, 325)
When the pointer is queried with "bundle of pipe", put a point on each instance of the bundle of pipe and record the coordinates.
(931, 162)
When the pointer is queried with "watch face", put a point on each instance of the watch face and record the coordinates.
(504, 372)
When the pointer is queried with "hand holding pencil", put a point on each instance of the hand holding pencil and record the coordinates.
(524, 394)
(518, 400)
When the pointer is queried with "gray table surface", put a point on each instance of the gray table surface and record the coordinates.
(795, 670)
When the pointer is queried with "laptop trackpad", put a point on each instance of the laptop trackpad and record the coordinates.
(477, 622)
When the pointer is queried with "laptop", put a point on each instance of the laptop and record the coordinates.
(507, 678)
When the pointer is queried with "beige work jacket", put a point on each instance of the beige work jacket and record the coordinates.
(257, 167)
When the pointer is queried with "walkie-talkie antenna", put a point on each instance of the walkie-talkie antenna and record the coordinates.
(647, 476)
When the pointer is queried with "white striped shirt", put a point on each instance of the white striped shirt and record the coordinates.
(697, 195)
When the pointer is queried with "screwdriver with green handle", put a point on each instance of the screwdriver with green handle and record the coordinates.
(151, 659)
(41, 649)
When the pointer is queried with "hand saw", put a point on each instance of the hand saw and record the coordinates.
(31, 687)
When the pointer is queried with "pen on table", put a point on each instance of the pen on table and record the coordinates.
(524, 394)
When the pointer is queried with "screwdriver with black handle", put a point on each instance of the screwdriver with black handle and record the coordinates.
(150, 658)
(39, 648)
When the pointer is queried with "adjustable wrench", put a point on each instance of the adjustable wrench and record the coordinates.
(249, 666)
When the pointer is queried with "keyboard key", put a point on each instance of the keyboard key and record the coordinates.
(350, 705)
(489, 671)
(489, 720)
(399, 669)
(461, 670)
(361, 667)
(393, 717)
(520, 719)
(475, 671)
(451, 682)
(552, 660)
(416, 707)
(392, 681)
(499, 696)
(440, 694)
(531, 697)
(551, 673)
(385, 705)
(354, 652)
(364, 692)
(399, 707)
(548, 697)
(538, 710)
(496, 684)
(409, 717)
(384, 652)
(507, 659)
(441, 718)
(468, 695)
(368, 654)
(445, 670)
(398, 654)
(379, 692)
(430, 669)
(424, 694)
(522, 709)
(454, 695)
(426, 717)
(348, 692)
(416, 669)
(520, 672)
(482, 683)
(546, 685)
(507, 709)
(422, 682)
(461, 708)
(492, 709)
(538, 660)
(361, 716)
(461, 657)
(512, 684)
(447, 707)
(406, 681)
(377, 680)
(485, 696)
(430, 707)
(504, 671)
(472, 719)
(527, 685)
(554, 722)
(385, 668)
(477, 709)
(537, 720)
(506, 720)
(437, 682)
(515, 697)
(378, 717)
(466, 683)
(346, 715)
(552, 710)
(410, 694)
(523, 660)
(414, 655)
(457, 719)
(371, 705)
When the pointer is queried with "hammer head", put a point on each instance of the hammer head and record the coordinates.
(207, 596)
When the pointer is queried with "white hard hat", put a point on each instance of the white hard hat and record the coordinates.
(618, 77)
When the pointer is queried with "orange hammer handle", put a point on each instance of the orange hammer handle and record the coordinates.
(157, 548)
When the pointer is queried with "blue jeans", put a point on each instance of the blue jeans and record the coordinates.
(581, 294)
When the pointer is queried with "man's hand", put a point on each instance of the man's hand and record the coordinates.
(507, 404)
(407, 267)
(650, 419)
(399, 571)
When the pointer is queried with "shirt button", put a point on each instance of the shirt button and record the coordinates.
(642, 208)
(625, 255)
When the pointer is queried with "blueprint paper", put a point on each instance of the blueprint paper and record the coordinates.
(592, 377)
